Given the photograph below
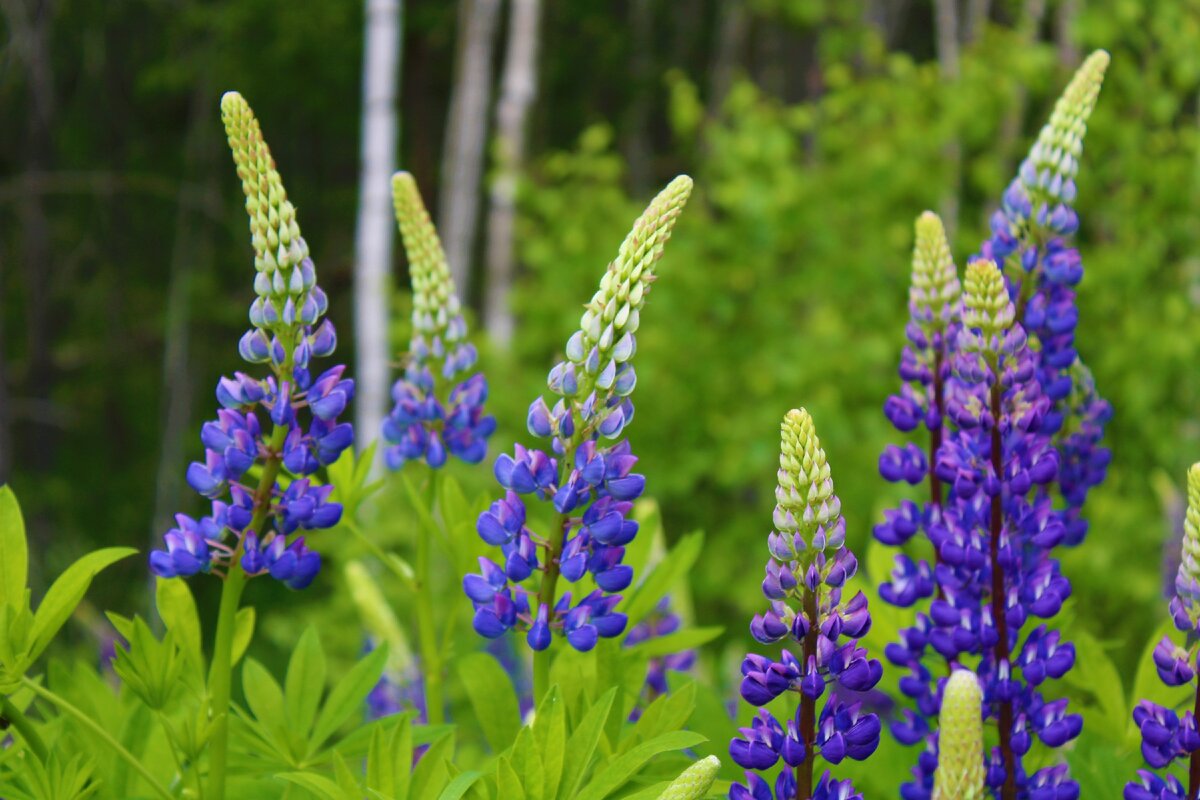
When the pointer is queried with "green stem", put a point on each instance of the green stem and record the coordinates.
(380, 554)
(541, 673)
(220, 674)
(431, 657)
(24, 727)
(98, 730)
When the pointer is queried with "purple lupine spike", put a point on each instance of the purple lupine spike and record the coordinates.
(439, 409)
(253, 523)
(807, 612)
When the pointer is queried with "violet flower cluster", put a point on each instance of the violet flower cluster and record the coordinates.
(586, 475)
(805, 583)
(1168, 736)
(1015, 426)
(273, 434)
(438, 412)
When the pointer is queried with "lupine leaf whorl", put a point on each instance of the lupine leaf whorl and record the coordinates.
(960, 772)
(986, 304)
(435, 301)
(694, 782)
(1050, 168)
(1187, 582)
(286, 280)
(935, 288)
(805, 503)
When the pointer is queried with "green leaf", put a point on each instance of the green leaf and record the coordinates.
(305, 682)
(67, 592)
(550, 734)
(347, 697)
(177, 609)
(319, 785)
(457, 788)
(508, 784)
(432, 771)
(674, 567)
(624, 767)
(14, 553)
(243, 632)
(265, 699)
(676, 642)
(582, 744)
(493, 698)
(1095, 673)
(667, 713)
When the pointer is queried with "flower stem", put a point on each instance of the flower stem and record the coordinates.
(220, 674)
(808, 706)
(98, 731)
(431, 657)
(1009, 791)
(24, 726)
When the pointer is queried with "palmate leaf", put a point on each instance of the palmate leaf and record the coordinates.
(493, 699)
(14, 554)
(67, 592)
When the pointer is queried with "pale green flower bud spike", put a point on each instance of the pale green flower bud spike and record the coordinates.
(960, 772)
(987, 307)
(694, 782)
(935, 289)
(436, 307)
(807, 510)
(1187, 582)
(1054, 159)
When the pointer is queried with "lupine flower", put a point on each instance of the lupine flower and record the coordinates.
(960, 772)
(694, 782)
(805, 580)
(1168, 736)
(438, 412)
(286, 424)
(587, 475)
(1014, 447)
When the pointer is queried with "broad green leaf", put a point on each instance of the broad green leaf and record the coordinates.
(493, 698)
(625, 766)
(1095, 673)
(345, 778)
(582, 744)
(177, 609)
(67, 592)
(265, 699)
(663, 577)
(347, 697)
(508, 784)
(432, 772)
(676, 642)
(667, 713)
(526, 761)
(458, 788)
(319, 785)
(243, 632)
(305, 682)
(14, 553)
(550, 734)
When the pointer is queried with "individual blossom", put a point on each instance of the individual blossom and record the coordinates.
(586, 473)
(439, 406)
(1169, 736)
(960, 772)
(272, 433)
(819, 625)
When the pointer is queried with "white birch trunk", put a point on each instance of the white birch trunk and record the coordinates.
(466, 137)
(517, 91)
(374, 232)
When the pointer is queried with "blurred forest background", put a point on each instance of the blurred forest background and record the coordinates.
(816, 131)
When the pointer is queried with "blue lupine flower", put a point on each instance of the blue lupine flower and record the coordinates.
(251, 521)
(589, 482)
(1014, 432)
(804, 581)
(438, 413)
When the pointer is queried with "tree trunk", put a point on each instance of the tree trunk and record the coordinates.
(466, 137)
(732, 29)
(946, 24)
(374, 232)
(978, 12)
(637, 118)
(517, 92)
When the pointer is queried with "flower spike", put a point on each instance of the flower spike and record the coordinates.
(960, 771)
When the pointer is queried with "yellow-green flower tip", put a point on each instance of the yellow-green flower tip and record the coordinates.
(1050, 169)
(935, 288)
(805, 502)
(986, 304)
(436, 307)
(1187, 583)
(960, 772)
(694, 782)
